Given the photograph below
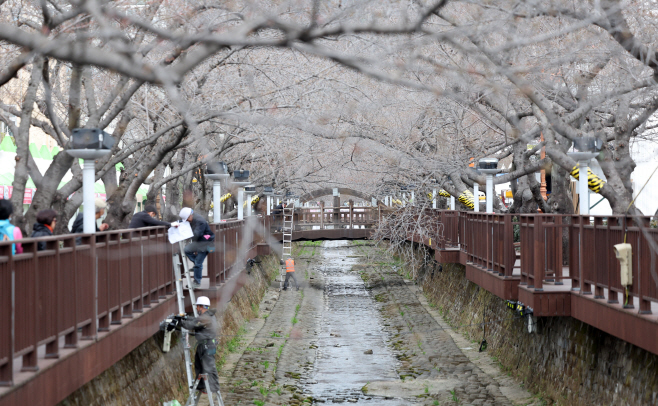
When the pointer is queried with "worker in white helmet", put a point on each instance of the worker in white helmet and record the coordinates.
(204, 329)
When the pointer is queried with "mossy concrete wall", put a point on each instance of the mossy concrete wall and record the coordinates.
(147, 376)
(566, 362)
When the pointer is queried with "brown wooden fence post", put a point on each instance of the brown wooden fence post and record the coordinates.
(509, 256)
(7, 311)
(538, 254)
(351, 212)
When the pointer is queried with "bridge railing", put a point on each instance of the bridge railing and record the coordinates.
(230, 236)
(309, 218)
(553, 248)
(597, 267)
(542, 238)
(488, 241)
(69, 292)
(45, 295)
(450, 220)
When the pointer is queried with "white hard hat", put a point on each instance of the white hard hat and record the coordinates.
(202, 301)
(185, 213)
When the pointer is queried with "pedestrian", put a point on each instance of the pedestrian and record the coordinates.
(203, 242)
(147, 218)
(204, 328)
(44, 226)
(78, 224)
(290, 273)
(8, 231)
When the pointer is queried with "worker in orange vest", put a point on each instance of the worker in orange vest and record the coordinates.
(290, 273)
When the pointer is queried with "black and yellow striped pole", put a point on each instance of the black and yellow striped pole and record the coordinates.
(466, 198)
(593, 183)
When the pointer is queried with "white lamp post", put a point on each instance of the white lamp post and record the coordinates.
(489, 166)
(476, 194)
(267, 190)
(586, 147)
(452, 202)
(433, 182)
(217, 171)
(89, 144)
(412, 188)
(240, 179)
(250, 191)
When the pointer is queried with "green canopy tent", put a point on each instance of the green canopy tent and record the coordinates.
(34, 151)
(45, 153)
(7, 145)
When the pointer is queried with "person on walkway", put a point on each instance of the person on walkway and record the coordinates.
(78, 224)
(290, 273)
(203, 240)
(147, 218)
(204, 328)
(46, 220)
(8, 231)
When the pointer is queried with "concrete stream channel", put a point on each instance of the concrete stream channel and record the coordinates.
(356, 332)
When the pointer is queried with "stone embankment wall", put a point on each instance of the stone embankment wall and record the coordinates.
(147, 376)
(566, 362)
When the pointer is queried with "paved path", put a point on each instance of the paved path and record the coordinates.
(357, 333)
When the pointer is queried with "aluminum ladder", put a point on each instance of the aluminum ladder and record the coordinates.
(196, 396)
(178, 261)
(288, 227)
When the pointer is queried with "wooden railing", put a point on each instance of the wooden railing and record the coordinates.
(52, 299)
(75, 291)
(558, 248)
(320, 218)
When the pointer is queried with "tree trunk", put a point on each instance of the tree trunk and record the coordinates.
(22, 138)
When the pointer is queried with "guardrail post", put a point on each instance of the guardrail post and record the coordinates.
(30, 358)
(351, 212)
(490, 245)
(7, 310)
(574, 252)
(509, 255)
(538, 254)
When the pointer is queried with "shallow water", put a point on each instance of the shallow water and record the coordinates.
(351, 324)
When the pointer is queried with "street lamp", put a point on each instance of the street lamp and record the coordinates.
(412, 188)
(240, 179)
(290, 197)
(250, 191)
(268, 191)
(403, 190)
(217, 171)
(434, 183)
(489, 166)
(452, 198)
(89, 144)
(588, 148)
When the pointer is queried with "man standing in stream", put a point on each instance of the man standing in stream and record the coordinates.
(290, 273)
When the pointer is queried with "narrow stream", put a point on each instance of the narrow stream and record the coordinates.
(351, 325)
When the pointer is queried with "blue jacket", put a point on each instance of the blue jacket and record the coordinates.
(7, 233)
